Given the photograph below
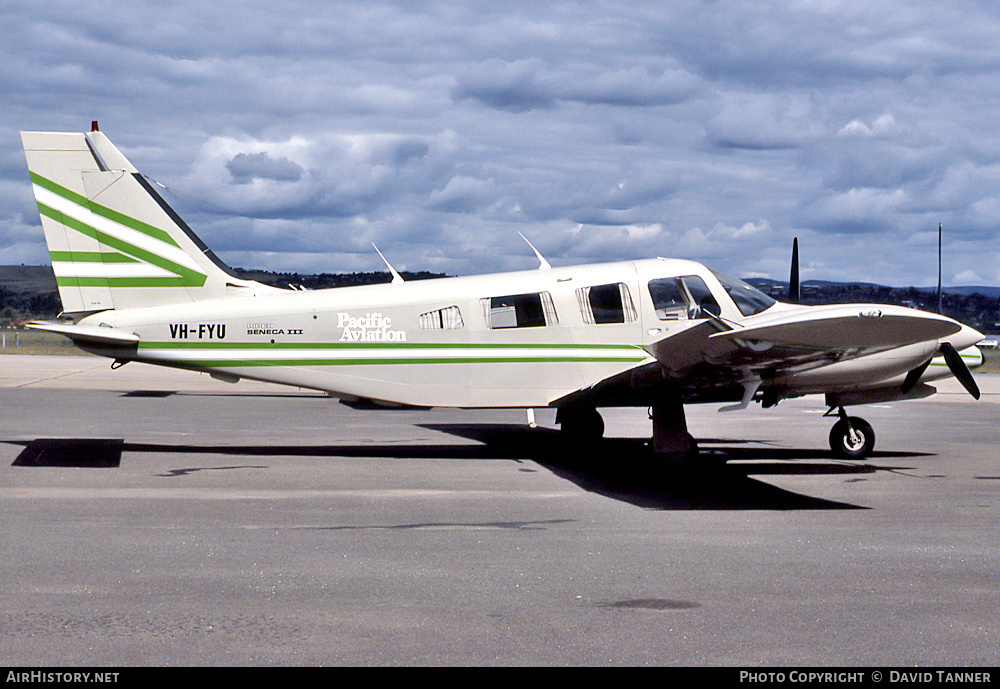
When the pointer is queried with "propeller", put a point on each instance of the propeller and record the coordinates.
(952, 358)
(794, 295)
(959, 369)
(955, 364)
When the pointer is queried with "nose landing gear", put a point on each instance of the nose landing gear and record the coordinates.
(851, 437)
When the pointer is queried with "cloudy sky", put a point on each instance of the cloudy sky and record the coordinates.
(293, 135)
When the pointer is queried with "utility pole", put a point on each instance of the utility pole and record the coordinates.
(940, 307)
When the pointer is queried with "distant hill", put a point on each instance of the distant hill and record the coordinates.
(325, 280)
(976, 306)
(992, 292)
(30, 292)
(27, 279)
(777, 285)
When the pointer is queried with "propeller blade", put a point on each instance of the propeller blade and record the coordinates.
(959, 369)
(794, 294)
(913, 376)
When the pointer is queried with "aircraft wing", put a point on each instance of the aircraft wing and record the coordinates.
(846, 327)
(715, 359)
(799, 338)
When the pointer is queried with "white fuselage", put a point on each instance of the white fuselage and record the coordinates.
(455, 342)
(371, 342)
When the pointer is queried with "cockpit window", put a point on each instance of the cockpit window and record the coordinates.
(748, 299)
(668, 301)
(682, 297)
(702, 297)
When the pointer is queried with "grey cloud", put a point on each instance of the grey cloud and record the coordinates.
(438, 129)
(513, 86)
(462, 195)
(632, 87)
(523, 85)
(763, 122)
(245, 167)
(333, 175)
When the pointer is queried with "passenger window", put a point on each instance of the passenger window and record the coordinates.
(443, 319)
(606, 304)
(520, 311)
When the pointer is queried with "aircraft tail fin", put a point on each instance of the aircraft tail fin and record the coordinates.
(114, 242)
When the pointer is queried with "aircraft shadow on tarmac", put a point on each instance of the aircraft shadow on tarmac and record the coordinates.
(619, 468)
(625, 469)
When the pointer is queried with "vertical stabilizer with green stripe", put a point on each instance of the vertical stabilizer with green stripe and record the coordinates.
(114, 242)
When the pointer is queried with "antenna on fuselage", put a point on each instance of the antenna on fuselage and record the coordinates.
(396, 277)
(542, 263)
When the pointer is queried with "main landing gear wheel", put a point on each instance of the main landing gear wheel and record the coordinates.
(852, 438)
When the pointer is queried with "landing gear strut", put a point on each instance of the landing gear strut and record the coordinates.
(851, 437)
(582, 426)
(671, 439)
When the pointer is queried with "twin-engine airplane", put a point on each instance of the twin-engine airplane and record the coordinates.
(137, 284)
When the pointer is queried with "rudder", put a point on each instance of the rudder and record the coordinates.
(113, 241)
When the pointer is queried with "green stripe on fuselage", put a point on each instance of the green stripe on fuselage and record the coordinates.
(381, 361)
(379, 345)
(386, 354)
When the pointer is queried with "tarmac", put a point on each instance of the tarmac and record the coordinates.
(153, 517)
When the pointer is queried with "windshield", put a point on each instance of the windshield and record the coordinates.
(748, 299)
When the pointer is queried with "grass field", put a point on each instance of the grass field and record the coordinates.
(991, 361)
(23, 341)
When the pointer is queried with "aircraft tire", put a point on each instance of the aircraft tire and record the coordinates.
(845, 447)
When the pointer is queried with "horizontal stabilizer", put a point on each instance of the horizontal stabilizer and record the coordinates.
(855, 326)
(93, 334)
